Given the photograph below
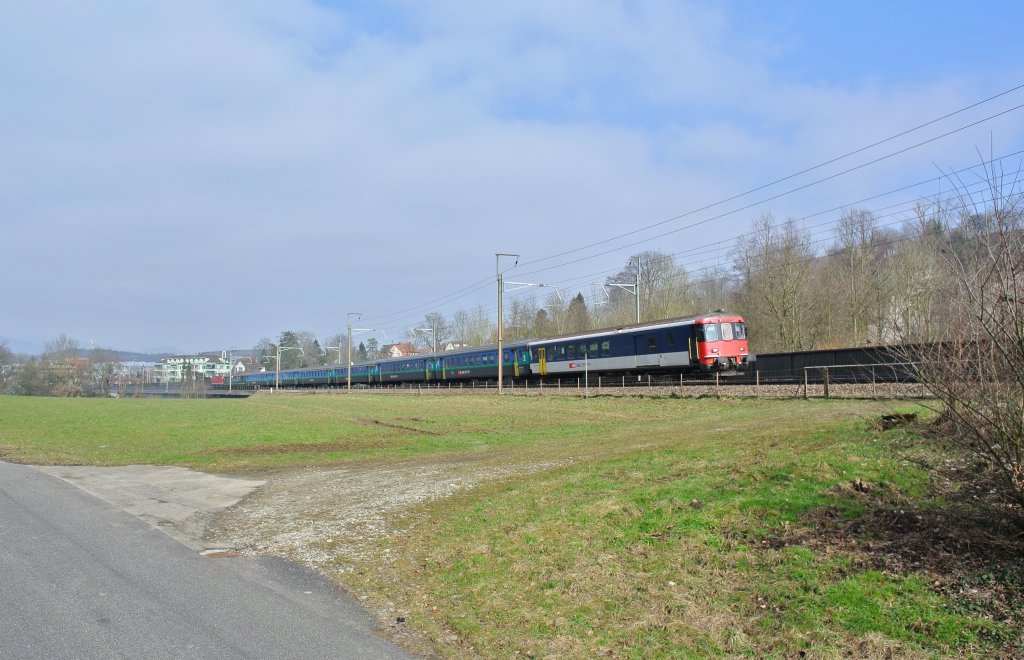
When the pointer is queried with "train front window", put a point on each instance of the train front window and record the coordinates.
(739, 331)
(711, 332)
(727, 331)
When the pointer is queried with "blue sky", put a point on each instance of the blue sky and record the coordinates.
(195, 176)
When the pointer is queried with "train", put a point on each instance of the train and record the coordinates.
(705, 343)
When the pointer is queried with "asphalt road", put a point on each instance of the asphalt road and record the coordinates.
(81, 579)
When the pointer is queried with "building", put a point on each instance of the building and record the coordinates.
(398, 350)
(177, 368)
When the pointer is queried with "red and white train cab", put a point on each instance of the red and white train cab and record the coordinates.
(721, 343)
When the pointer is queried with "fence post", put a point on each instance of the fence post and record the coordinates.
(826, 382)
(718, 384)
(757, 383)
(805, 382)
(873, 394)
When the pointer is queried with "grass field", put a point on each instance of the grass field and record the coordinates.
(672, 528)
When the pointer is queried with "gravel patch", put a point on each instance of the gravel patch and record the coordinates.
(332, 519)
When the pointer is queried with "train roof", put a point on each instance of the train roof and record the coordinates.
(714, 317)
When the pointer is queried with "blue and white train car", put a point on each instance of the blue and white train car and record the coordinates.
(705, 343)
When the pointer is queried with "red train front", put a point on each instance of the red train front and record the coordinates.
(722, 343)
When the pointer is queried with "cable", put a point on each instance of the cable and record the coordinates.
(809, 169)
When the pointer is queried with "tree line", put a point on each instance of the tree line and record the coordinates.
(63, 369)
(859, 283)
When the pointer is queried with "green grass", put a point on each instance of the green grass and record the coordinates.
(280, 431)
(657, 536)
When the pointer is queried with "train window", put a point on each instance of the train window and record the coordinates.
(593, 348)
(738, 331)
(727, 331)
(671, 338)
(505, 358)
(571, 352)
(652, 344)
(606, 348)
(711, 332)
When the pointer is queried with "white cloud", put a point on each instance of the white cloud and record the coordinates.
(161, 160)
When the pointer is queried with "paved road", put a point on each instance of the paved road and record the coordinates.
(82, 579)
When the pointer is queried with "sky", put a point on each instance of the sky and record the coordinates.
(197, 175)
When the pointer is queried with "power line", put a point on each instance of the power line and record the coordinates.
(805, 171)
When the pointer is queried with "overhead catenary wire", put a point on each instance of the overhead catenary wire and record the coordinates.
(827, 227)
(398, 315)
(811, 169)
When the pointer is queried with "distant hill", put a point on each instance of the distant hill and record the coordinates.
(125, 356)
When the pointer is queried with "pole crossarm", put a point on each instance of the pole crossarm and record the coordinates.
(277, 373)
(501, 292)
(433, 337)
(524, 285)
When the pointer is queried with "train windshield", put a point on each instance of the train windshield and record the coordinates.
(722, 331)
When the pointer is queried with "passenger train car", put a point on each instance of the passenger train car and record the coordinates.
(706, 343)
(697, 343)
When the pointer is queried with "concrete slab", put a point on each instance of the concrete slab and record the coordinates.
(176, 500)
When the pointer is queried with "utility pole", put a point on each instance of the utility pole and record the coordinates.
(277, 374)
(501, 289)
(348, 367)
(637, 288)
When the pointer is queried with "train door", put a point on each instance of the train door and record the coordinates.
(542, 359)
(646, 350)
(515, 362)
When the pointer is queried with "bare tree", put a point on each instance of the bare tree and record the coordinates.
(774, 266)
(64, 367)
(851, 283)
(337, 348)
(7, 366)
(555, 311)
(714, 290)
(473, 328)
(104, 364)
(976, 371)
(433, 331)
(521, 315)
